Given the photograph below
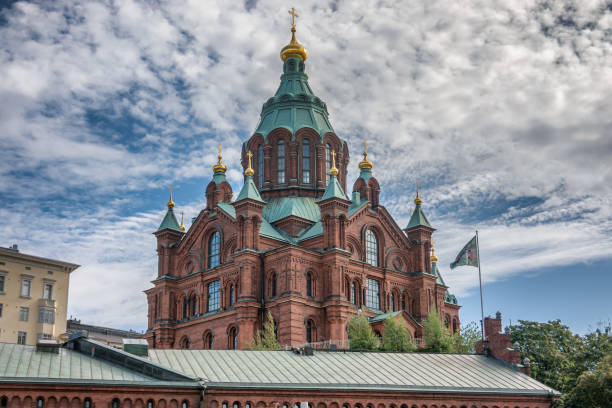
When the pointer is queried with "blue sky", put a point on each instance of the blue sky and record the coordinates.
(500, 110)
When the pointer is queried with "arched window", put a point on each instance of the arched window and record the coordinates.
(214, 247)
(87, 403)
(150, 404)
(208, 341)
(280, 162)
(4, 402)
(231, 295)
(194, 305)
(327, 162)
(392, 302)
(273, 285)
(214, 296)
(353, 293)
(404, 302)
(185, 404)
(185, 307)
(306, 161)
(232, 339)
(236, 404)
(40, 402)
(309, 284)
(260, 169)
(309, 333)
(371, 247)
(184, 344)
(373, 293)
(115, 403)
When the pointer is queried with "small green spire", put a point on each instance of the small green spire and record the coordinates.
(170, 221)
(418, 217)
(334, 190)
(249, 189)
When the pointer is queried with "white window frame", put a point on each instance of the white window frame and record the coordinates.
(24, 279)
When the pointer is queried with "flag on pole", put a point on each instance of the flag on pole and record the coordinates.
(468, 255)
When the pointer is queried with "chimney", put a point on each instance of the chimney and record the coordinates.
(47, 346)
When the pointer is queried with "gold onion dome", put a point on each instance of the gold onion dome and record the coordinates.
(418, 200)
(170, 203)
(365, 163)
(334, 170)
(294, 49)
(219, 167)
(433, 256)
(249, 170)
(182, 226)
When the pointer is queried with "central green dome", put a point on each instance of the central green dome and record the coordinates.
(294, 106)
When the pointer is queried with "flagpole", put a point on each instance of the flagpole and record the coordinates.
(480, 282)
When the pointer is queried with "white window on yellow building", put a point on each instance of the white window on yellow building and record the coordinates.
(26, 286)
(48, 290)
(2, 281)
(24, 313)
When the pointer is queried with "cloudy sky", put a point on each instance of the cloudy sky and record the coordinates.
(502, 110)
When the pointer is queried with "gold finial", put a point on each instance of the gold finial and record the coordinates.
(170, 203)
(182, 227)
(249, 171)
(294, 49)
(219, 167)
(333, 171)
(365, 163)
(418, 200)
(433, 256)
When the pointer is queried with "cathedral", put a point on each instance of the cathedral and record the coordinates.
(293, 243)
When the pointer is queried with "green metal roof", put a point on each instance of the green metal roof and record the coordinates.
(249, 190)
(266, 229)
(228, 208)
(219, 177)
(437, 274)
(418, 218)
(315, 230)
(170, 222)
(294, 106)
(382, 316)
(19, 361)
(350, 371)
(282, 207)
(334, 190)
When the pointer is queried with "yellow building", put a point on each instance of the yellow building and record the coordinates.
(33, 296)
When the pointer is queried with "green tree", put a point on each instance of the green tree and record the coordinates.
(593, 389)
(396, 337)
(266, 340)
(437, 338)
(360, 334)
(464, 341)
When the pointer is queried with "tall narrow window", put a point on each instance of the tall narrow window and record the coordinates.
(208, 341)
(371, 247)
(185, 307)
(40, 402)
(2, 282)
(309, 331)
(308, 284)
(280, 163)
(115, 403)
(26, 286)
(327, 162)
(233, 339)
(87, 403)
(150, 404)
(213, 249)
(24, 313)
(306, 161)
(392, 305)
(194, 305)
(260, 169)
(373, 294)
(231, 295)
(48, 291)
(353, 294)
(273, 285)
(213, 296)
(185, 404)
(21, 337)
(404, 302)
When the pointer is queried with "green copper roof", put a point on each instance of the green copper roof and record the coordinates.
(365, 174)
(383, 316)
(314, 231)
(449, 298)
(303, 207)
(283, 370)
(294, 106)
(170, 222)
(418, 218)
(249, 190)
(334, 190)
(219, 177)
(228, 208)
(436, 272)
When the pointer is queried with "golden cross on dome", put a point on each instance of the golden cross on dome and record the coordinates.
(293, 16)
(170, 203)
(333, 171)
(249, 171)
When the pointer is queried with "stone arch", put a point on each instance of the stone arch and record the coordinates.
(139, 403)
(75, 402)
(27, 402)
(51, 402)
(357, 250)
(64, 403)
(161, 403)
(173, 403)
(15, 402)
(261, 404)
(184, 342)
(127, 403)
(227, 249)
(232, 336)
(380, 236)
(208, 338)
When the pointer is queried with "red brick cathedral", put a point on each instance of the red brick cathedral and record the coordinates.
(292, 243)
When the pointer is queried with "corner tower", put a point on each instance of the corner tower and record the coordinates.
(294, 139)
